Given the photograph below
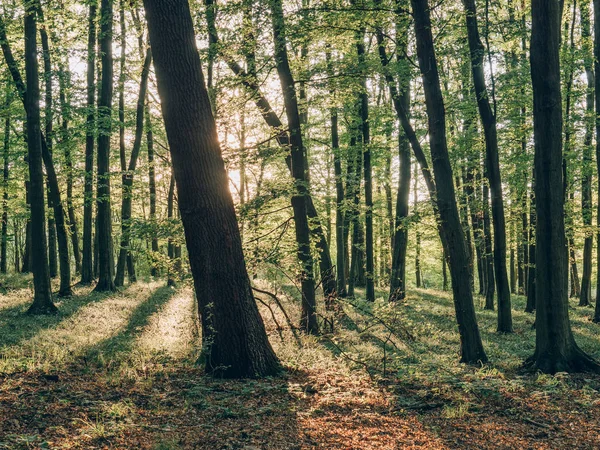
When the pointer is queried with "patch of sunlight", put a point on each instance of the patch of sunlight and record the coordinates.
(173, 330)
(63, 342)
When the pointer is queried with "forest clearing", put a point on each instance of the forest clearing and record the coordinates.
(118, 371)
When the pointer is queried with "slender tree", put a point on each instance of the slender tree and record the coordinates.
(452, 233)
(87, 269)
(488, 120)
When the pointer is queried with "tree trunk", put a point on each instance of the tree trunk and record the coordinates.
(488, 261)
(401, 100)
(103, 221)
(5, 173)
(234, 339)
(154, 271)
(364, 128)
(339, 194)
(42, 300)
(127, 178)
(452, 235)
(587, 171)
(488, 120)
(556, 350)
(87, 265)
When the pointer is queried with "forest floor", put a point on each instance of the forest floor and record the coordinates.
(117, 371)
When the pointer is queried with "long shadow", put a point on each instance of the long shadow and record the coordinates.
(122, 342)
(16, 326)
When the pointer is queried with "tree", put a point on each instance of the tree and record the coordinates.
(88, 200)
(103, 219)
(234, 339)
(42, 293)
(488, 120)
(308, 320)
(556, 350)
(452, 233)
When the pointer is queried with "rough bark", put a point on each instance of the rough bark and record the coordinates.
(103, 220)
(234, 339)
(556, 350)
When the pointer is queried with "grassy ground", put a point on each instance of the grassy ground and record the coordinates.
(117, 371)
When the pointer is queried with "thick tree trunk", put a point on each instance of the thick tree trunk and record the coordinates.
(234, 338)
(127, 177)
(488, 120)
(452, 236)
(42, 300)
(87, 265)
(556, 350)
(103, 221)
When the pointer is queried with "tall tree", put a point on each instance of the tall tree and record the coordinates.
(234, 338)
(42, 299)
(452, 233)
(556, 350)
(488, 120)
(103, 219)
(87, 269)
(298, 161)
(587, 170)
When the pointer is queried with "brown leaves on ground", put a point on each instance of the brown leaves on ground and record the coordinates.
(180, 408)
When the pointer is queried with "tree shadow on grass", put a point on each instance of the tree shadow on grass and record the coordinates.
(120, 344)
(16, 326)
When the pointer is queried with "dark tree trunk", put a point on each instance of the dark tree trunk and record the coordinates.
(87, 265)
(587, 170)
(57, 224)
(172, 274)
(103, 221)
(488, 261)
(234, 338)
(418, 274)
(401, 100)
(42, 299)
(5, 173)
(531, 295)
(452, 235)
(64, 79)
(556, 350)
(154, 271)
(308, 320)
(339, 194)
(488, 120)
(65, 287)
(364, 127)
(597, 105)
(127, 178)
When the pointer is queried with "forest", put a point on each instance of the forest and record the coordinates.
(297, 224)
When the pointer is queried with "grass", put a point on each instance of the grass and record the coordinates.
(117, 371)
